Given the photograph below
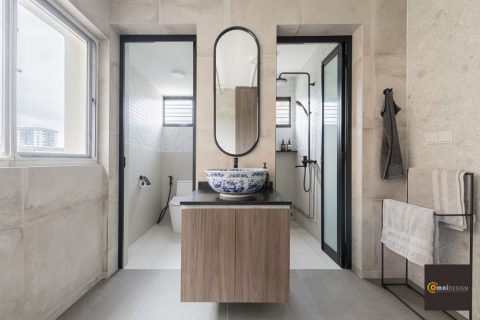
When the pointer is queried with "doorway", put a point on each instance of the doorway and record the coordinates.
(313, 137)
(157, 146)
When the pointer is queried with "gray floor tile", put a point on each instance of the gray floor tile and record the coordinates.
(314, 295)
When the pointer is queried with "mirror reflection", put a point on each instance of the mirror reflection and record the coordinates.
(236, 91)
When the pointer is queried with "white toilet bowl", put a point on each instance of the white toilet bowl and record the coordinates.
(184, 187)
(176, 214)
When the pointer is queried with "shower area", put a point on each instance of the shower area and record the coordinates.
(312, 138)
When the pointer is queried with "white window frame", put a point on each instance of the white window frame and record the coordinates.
(175, 124)
(13, 157)
(283, 99)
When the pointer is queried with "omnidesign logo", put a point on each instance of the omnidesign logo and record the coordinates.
(433, 288)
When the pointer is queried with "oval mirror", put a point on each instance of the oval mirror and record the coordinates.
(237, 92)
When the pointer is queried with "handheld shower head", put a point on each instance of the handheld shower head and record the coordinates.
(280, 78)
(298, 103)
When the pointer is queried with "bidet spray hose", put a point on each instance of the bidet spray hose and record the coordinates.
(164, 210)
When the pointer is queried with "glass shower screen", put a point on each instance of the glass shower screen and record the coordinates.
(332, 152)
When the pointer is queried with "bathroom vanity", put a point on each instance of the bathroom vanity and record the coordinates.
(235, 250)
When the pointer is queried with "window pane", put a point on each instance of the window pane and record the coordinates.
(52, 84)
(2, 96)
(283, 113)
(178, 111)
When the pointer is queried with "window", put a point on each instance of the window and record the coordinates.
(3, 98)
(177, 111)
(284, 106)
(54, 77)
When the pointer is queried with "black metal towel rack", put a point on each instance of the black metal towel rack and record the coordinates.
(471, 221)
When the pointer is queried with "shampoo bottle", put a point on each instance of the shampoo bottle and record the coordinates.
(289, 145)
(267, 178)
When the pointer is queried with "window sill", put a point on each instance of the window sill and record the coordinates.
(45, 162)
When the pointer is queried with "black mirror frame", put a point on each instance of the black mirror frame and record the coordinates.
(215, 93)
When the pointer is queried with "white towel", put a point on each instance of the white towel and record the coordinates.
(410, 231)
(449, 197)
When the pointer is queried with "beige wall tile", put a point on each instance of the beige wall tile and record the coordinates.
(335, 12)
(134, 11)
(327, 29)
(154, 28)
(390, 72)
(94, 10)
(390, 31)
(357, 235)
(443, 94)
(357, 43)
(288, 30)
(192, 11)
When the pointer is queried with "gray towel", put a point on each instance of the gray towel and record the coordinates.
(391, 163)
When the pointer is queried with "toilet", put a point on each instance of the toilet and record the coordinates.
(184, 187)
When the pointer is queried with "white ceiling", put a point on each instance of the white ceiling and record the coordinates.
(293, 57)
(236, 57)
(156, 61)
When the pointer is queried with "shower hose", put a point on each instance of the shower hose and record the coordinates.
(309, 177)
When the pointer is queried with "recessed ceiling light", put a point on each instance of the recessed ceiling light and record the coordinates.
(177, 74)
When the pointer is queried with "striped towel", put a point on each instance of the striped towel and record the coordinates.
(449, 197)
(442, 190)
(410, 231)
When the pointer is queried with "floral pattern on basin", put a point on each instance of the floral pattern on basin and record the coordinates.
(236, 181)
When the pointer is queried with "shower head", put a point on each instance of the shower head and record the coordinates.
(280, 78)
(298, 103)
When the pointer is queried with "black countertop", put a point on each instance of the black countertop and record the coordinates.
(210, 197)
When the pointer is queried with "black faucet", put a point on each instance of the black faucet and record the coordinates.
(235, 163)
(305, 162)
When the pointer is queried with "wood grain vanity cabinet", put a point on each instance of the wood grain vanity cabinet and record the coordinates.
(236, 254)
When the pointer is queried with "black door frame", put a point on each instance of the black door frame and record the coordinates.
(344, 231)
(124, 39)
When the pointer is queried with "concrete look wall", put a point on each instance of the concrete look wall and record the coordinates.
(443, 94)
(384, 67)
(50, 238)
(379, 36)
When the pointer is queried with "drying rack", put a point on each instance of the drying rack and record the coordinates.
(406, 283)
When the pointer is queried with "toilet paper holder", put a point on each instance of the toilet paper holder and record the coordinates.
(143, 181)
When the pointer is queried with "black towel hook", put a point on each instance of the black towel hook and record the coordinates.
(387, 90)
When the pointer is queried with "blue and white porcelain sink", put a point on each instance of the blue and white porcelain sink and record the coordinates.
(234, 183)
